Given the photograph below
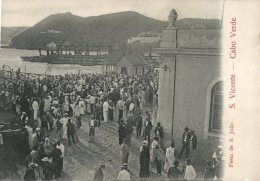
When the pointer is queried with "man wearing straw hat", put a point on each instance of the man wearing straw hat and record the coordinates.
(185, 143)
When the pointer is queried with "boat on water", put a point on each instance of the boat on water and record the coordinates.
(84, 60)
(64, 53)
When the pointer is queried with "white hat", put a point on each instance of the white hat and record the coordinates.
(145, 142)
(220, 147)
(46, 159)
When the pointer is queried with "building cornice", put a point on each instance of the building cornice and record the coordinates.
(188, 51)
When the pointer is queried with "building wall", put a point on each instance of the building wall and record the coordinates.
(123, 62)
(144, 39)
(194, 74)
(131, 70)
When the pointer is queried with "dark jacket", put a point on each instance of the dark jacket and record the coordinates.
(29, 174)
(158, 130)
(194, 142)
(148, 127)
(187, 139)
(56, 154)
(139, 121)
(71, 128)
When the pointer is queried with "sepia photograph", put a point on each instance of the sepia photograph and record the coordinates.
(113, 90)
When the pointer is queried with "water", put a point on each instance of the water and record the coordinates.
(11, 57)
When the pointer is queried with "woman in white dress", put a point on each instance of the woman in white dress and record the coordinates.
(169, 157)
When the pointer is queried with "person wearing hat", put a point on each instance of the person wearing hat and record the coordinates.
(64, 122)
(56, 159)
(60, 146)
(139, 124)
(193, 142)
(78, 124)
(105, 110)
(174, 172)
(82, 107)
(98, 113)
(48, 147)
(24, 118)
(158, 157)
(123, 173)
(169, 157)
(47, 104)
(110, 111)
(39, 134)
(217, 154)
(66, 107)
(218, 162)
(99, 175)
(29, 173)
(55, 101)
(70, 131)
(144, 160)
(48, 169)
(91, 129)
(35, 107)
(154, 143)
(129, 130)
(17, 104)
(121, 131)
(120, 106)
(190, 173)
(158, 131)
(124, 151)
(92, 101)
(148, 127)
(25, 104)
(185, 143)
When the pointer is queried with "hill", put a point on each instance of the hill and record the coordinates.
(7, 33)
(109, 29)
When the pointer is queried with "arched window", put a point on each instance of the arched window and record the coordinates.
(216, 108)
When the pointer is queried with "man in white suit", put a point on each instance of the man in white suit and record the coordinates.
(105, 110)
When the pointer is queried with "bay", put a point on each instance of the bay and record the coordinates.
(12, 58)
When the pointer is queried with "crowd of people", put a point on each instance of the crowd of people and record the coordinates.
(51, 108)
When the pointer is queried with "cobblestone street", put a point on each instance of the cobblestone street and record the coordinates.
(82, 158)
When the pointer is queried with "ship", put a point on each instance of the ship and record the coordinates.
(83, 60)
(65, 54)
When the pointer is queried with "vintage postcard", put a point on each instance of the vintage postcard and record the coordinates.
(129, 90)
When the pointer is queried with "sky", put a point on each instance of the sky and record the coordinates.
(29, 12)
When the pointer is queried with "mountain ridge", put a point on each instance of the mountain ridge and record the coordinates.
(107, 29)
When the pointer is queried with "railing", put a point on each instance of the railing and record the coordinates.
(7, 74)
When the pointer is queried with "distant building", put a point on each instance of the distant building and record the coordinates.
(145, 37)
(54, 31)
(51, 46)
(129, 63)
(144, 44)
